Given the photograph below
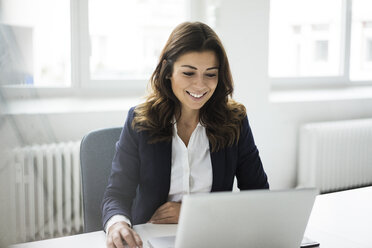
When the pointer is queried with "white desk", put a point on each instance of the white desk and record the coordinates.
(97, 239)
(338, 220)
(342, 219)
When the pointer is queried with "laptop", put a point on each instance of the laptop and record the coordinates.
(254, 218)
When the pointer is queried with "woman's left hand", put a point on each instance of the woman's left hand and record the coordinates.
(167, 213)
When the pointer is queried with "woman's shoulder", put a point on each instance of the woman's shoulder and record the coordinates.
(133, 115)
(138, 110)
(131, 112)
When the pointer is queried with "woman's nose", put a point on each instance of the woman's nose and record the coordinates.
(199, 80)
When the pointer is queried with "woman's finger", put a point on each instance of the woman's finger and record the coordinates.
(127, 235)
(117, 239)
(109, 242)
(138, 239)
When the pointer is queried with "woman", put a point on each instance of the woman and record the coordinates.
(188, 137)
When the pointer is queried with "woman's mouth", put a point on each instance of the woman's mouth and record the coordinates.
(196, 95)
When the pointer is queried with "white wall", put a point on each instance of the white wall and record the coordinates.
(243, 28)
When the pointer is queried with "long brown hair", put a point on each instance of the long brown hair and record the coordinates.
(220, 115)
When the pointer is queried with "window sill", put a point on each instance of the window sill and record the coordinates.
(321, 95)
(68, 105)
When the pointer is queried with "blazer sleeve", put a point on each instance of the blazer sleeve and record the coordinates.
(124, 177)
(250, 172)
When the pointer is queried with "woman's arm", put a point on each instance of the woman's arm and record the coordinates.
(121, 188)
(250, 172)
(124, 178)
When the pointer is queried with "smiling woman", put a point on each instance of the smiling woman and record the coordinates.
(195, 58)
(194, 79)
(188, 137)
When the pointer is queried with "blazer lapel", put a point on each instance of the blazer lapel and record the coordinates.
(218, 168)
(163, 158)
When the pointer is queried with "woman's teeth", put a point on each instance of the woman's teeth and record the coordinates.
(196, 95)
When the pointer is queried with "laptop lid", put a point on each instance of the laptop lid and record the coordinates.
(254, 218)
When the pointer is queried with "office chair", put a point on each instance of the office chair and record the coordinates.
(96, 153)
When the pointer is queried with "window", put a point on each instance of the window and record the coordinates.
(305, 38)
(320, 41)
(35, 42)
(127, 36)
(84, 43)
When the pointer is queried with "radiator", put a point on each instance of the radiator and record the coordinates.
(47, 200)
(335, 156)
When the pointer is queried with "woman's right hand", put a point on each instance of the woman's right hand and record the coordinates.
(121, 233)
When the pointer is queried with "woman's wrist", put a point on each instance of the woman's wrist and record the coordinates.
(115, 219)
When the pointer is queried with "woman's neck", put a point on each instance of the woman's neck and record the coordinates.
(187, 124)
(189, 118)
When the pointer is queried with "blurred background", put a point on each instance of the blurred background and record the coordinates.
(302, 68)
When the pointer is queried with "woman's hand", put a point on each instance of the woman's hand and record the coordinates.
(167, 213)
(120, 232)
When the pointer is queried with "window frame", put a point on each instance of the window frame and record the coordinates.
(81, 84)
(278, 83)
(83, 48)
(131, 86)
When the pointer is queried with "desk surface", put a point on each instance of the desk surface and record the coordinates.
(338, 220)
(342, 219)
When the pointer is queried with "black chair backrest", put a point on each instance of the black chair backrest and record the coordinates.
(96, 153)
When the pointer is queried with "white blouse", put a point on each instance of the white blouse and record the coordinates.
(191, 166)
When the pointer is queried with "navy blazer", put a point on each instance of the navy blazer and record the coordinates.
(140, 174)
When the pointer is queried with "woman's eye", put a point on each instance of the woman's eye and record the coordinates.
(211, 75)
(188, 73)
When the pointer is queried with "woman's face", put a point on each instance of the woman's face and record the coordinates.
(194, 79)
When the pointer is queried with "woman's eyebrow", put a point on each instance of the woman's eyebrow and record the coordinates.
(189, 66)
(194, 68)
